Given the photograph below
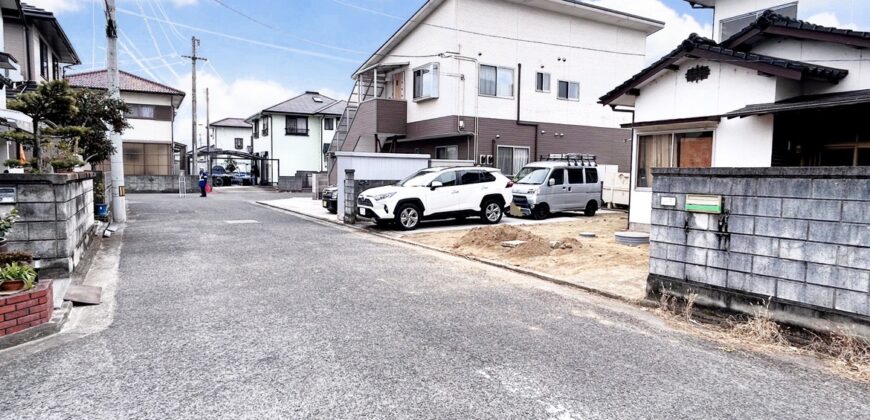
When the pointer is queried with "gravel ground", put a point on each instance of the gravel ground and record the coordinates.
(286, 318)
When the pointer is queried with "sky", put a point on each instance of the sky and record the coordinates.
(261, 52)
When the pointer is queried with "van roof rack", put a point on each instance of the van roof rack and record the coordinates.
(576, 159)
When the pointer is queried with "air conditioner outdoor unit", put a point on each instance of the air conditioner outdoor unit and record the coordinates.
(482, 160)
(461, 125)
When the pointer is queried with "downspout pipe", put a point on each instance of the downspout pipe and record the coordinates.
(630, 159)
(520, 122)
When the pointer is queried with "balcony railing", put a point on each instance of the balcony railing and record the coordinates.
(290, 131)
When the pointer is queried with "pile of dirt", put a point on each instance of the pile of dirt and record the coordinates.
(491, 238)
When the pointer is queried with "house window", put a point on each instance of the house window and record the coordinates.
(141, 112)
(239, 143)
(426, 82)
(542, 82)
(55, 69)
(43, 60)
(296, 126)
(511, 159)
(569, 91)
(265, 126)
(496, 81)
(447, 152)
(680, 150)
(256, 129)
(329, 124)
(729, 27)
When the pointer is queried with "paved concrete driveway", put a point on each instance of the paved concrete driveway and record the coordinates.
(286, 318)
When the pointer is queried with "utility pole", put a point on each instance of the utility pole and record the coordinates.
(193, 59)
(207, 135)
(119, 199)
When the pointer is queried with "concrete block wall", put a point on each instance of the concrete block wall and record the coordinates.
(798, 235)
(159, 183)
(57, 218)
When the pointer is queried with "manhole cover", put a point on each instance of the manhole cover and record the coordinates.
(241, 222)
(632, 238)
(587, 234)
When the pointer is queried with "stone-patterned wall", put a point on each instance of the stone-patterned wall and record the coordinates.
(57, 218)
(798, 235)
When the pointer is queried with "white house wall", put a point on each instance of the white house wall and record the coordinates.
(153, 131)
(225, 138)
(856, 61)
(296, 153)
(595, 71)
(743, 142)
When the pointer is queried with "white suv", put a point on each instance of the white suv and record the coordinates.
(439, 193)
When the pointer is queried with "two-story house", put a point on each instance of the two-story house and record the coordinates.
(769, 90)
(231, 134)
(33, 49)
(148, 144)
(497, 82)
(294, 134)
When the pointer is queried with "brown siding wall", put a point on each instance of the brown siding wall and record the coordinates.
(377, 116)
(364, 123)
(612, 146)
(392, 116)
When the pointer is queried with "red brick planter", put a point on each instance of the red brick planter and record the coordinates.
(26, 309)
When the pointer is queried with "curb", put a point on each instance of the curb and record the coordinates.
(53, 326)
(541, 276)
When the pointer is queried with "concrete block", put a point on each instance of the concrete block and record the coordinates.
(702, 239)
(856, 212)
(689, 185)
(852, 302)
(694, 255)
(657, 266)
(657, 250)
(662, 183)
(755, 206)
(740, 262)
(854, 257)
(658, 234)
(676, 236)
(19, 232)
(756, 245)
(811, 209)
(781, 228)
(676, 253)
(785, 187)
(805, 293)
(839, 233)
(820, 253)
(62, 193)
(35, 193)
(741, 224)
(35, 212)
(41, 231)
(717, 259)
(733, 186)
(765, 286)
(840, 189)
(677, 218)
(675, 269)
(61, 230)
(39, 249)
(657, 200)
(717, 277)
(839, 277)
(706, 275)
(780, 268)
(700, 221)
(792, 250)
(659, 217)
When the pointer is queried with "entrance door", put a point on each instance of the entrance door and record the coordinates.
(399, 86)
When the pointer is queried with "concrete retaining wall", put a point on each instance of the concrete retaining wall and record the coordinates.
(800, 236)
(159, 183)
(57, 218)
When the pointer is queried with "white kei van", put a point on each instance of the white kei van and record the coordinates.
(563, 183)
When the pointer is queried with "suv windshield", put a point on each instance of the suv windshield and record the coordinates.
(421, 178)
(531, 175)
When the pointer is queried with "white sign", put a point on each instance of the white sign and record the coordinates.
(7, 195)
(669, 201)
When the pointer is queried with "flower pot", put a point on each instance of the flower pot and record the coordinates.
(16, 170)
(11, 285)
(102, 210)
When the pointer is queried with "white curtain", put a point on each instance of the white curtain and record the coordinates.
(487, 80)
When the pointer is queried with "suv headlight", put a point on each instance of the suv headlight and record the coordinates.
(383, 196)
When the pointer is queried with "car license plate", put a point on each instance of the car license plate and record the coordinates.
(325, 203)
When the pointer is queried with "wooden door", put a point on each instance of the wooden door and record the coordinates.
(399, 86)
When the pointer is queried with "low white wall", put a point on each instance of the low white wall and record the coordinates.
(376, 166)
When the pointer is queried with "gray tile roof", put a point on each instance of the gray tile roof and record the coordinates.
(336, 108)
(231, 122)
(306, 103)
(825, 100)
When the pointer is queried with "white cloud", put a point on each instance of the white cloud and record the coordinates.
(831, 19)
(238, 98)
(677, 26)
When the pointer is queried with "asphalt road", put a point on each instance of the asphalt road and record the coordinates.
(286, 318)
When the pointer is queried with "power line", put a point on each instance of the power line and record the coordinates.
(238, 38)
(154, 40)
(276, 29)
(165, 16)
(364, 9)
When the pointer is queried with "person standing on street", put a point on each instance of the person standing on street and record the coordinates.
(255, 173)
(203, 180)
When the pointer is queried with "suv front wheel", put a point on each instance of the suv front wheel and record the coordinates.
(491, 211)
(408, 216)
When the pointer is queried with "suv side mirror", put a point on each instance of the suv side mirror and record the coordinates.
(436, 184)
(551, 182)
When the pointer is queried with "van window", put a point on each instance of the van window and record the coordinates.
(470, 177)
(575, 176)
(559, 175)
(591, 175)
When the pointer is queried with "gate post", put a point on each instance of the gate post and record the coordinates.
(349, 197)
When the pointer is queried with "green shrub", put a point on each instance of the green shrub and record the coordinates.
(19, 257)
(66, 163)
(7, 221)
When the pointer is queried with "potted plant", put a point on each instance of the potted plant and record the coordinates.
(66, 163)
(17, 277)
(15, 166)
(6, 222)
